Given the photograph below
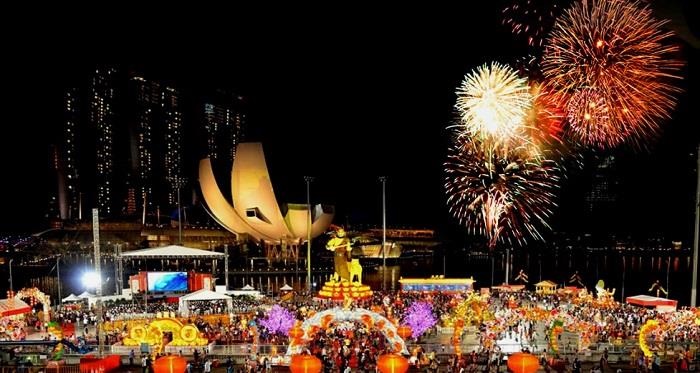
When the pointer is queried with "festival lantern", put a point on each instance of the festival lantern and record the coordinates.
(392, 363)
(521, 362)
(305, 364)
(90, 363)
(170, 364)
(404, 331)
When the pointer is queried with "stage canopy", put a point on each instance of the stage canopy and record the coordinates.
(286, 288)
(172, 251)
(13, 306)
(72, 298)
(202, 295)
(86, 295)
(649, 301)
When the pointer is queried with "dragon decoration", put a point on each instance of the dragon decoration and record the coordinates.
(153, 333)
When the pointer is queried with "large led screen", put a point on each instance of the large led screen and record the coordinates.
(167, 281)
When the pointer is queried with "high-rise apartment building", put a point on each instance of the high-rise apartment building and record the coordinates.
(224, 120)
(103, 119)
(122, 145)
(601, 197)
(69, 152)
(156, 139)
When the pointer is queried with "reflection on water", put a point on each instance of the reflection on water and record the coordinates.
(636, 272)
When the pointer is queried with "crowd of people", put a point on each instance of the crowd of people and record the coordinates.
(348, 345)
(525, 317)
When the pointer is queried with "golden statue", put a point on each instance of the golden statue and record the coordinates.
(340, 245)
(346, 281)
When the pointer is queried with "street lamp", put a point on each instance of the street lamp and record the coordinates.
(308, 180)
(382, 179)
(11, 288)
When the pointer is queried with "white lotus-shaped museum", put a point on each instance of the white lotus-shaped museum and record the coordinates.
(255, 209)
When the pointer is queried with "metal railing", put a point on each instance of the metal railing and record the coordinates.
(40, 368)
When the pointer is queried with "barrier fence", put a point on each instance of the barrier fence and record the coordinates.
(617, 353)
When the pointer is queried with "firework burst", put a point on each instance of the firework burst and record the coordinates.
(492, 102)
(532, 19)
(504, 198)
(543, 123)
(588, 108)
(613, 65)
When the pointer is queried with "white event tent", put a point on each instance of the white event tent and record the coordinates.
(86, 295)
(72, 298)
(172, 251)
(202, 295)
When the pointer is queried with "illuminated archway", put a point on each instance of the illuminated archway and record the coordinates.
(36, 294)
(325, 318)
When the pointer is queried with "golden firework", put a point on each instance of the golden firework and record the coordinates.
(614, 67)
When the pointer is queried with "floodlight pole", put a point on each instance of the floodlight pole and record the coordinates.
(178, 182)
(696, 238)
(382, 179)
(507, 264)
(226, 265)
(58, 278)
(309, 221)
(98, 271)
(11, 287)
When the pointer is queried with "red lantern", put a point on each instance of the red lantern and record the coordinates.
(521, 362)
(170, 364)
(392, 363)
(404, 331)
(305, 364)
(89, 363)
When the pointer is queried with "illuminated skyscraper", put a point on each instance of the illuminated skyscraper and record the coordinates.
(103, 118)
(172, 123)
(156, 142)
(224, 120)
(602, 195)
(69, 150)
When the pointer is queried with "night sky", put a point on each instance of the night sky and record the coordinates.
(345, 99)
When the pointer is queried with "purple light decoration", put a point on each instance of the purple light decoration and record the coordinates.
(419, 316)
(279, 320)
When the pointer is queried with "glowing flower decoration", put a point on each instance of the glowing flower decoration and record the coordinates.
(279, 320)
(502, 197)
(554, 332)
(419, 317)
(644, 332)
(613, 64)
(493, 102)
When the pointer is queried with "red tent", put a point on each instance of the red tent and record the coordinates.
(649, 301)
(9, 307)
